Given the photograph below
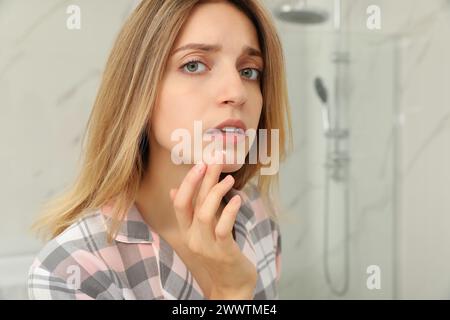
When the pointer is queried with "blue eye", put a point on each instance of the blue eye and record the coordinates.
(192, 66)
(258, 73)
(192, 63)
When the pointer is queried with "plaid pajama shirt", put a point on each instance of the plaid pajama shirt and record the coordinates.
(140, 264)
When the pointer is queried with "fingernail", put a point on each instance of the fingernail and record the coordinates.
(235, 199)
(199, 167)
(229, 178)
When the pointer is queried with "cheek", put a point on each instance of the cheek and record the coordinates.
(175, 110)
(164, 122)
(182, 96)
(256, 112)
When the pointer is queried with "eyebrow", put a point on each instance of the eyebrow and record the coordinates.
(215, 47)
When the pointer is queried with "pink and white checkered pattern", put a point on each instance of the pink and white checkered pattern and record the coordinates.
(140, 264)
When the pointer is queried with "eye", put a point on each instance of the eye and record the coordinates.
(192, 66)
(256, 71)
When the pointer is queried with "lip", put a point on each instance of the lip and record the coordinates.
(228, 137)
(231, 123)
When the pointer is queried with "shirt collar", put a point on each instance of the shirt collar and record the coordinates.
(134, 229)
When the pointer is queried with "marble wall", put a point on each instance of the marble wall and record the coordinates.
(397, 111)
(49, 76)
(367, 110)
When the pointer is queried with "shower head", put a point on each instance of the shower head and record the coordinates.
(321, 90)
(301, 13)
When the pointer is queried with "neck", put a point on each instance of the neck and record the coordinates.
(153, 200)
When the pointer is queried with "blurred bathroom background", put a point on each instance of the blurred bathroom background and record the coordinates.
(366, 190)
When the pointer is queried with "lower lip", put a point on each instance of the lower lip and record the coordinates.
(228, 137)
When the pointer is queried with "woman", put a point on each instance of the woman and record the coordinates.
(138, 225)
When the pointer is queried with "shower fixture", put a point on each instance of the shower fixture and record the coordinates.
(300, 12)
(337, 159)
(323, 95)
(336, 165)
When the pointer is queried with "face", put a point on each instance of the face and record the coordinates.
(207, 86)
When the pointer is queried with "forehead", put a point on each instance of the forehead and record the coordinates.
(220, 22)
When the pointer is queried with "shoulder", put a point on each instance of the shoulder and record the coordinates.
(69, 265)
(79, 241)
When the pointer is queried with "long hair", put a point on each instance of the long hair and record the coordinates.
(115, 154)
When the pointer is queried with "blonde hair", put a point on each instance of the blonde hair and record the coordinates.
(116, 152)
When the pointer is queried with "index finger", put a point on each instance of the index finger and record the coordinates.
(210, 179)
(182, 201)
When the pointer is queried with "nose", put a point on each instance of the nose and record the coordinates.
(232, 89)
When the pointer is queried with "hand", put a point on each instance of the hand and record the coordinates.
(209, 236)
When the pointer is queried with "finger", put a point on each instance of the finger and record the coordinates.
(182, 201)
(224, 227)
(211, 178)
(172, 193)
(207, 212)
